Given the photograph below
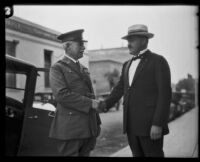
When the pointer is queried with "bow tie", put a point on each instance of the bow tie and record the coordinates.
(138, 57)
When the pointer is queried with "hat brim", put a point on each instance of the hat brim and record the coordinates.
(79, 40)
(76, 40)
(148, 35)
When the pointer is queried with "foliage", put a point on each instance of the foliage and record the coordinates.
(187, 83)
(112, 77)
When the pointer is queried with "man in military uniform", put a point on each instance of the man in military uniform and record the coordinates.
(76, 124)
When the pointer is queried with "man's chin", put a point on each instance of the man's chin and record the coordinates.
(133, 53)
(80, 55)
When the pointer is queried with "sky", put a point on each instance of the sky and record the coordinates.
(175, 28)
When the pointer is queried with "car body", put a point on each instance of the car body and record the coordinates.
(45, 97)
(180, 103)
(27, 122)
(187, 102)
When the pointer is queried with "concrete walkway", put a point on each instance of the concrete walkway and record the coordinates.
(182, 141)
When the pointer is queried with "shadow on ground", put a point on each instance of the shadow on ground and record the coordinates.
(110, 141)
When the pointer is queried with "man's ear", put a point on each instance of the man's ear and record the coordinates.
(67, 44)
(145, 42)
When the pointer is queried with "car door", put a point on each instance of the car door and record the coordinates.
(36, 141)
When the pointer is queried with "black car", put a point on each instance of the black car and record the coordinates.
(26, 127)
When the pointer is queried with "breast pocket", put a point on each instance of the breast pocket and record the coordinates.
(71, 76)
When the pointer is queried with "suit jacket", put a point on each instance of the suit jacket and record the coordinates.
(72, 88)
(147, 100)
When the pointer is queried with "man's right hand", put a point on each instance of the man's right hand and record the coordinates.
(95, 104)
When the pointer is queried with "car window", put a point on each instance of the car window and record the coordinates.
(43, 98)
(15, 86)
(37, 98)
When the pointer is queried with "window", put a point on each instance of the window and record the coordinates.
(10, 50)
(16, 91)
(47, 64)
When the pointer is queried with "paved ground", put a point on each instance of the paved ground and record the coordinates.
(111, 118)
(182, 141)
(111, 138)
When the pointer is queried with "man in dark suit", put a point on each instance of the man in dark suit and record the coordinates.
(145, 84)
(76, 124)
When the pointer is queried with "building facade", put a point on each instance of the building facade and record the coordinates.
(99, 70)
(104, 61)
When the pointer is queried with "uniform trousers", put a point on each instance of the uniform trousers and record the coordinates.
(144, 146)
(76, 147)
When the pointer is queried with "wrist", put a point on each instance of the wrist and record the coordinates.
(94, 104)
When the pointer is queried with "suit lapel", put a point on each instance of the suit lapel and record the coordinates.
(126, 80)
(140, 67)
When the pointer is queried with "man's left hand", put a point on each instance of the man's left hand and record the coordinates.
(156, 132)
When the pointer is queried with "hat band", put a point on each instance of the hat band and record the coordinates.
(135, 31)
(73, 39)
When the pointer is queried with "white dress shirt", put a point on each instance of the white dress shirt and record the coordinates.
(133, 67)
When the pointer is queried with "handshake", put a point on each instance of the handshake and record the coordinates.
(99, 105)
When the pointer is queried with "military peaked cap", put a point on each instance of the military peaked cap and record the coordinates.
(75, 35)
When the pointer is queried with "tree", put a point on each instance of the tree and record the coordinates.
(112, 77)
(187, 83)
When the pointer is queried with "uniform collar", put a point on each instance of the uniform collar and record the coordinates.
(75, 61)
